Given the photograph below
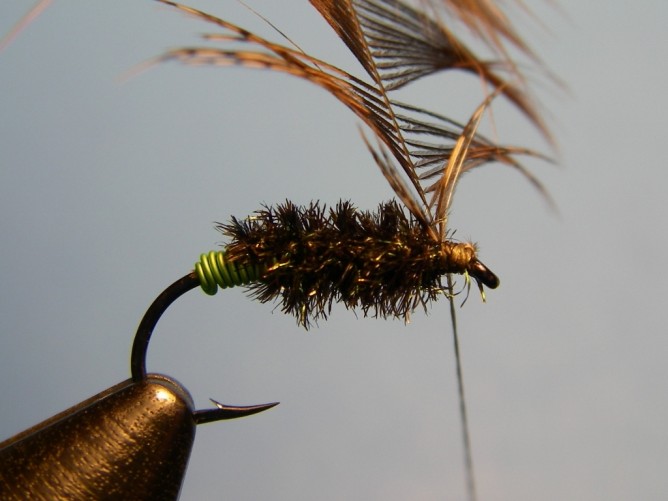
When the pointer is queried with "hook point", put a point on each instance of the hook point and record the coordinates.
(222, 412)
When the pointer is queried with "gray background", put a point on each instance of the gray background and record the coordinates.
(110, 187)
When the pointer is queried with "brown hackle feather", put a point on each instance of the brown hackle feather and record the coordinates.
(414, 137)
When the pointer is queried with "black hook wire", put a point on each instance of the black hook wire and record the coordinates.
(143, 336)
(151, 317)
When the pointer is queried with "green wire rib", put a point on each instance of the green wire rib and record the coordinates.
(215, 270)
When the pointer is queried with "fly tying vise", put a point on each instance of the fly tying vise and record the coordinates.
(131, 441)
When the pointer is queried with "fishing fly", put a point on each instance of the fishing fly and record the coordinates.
(389, 262)
(385, 263)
